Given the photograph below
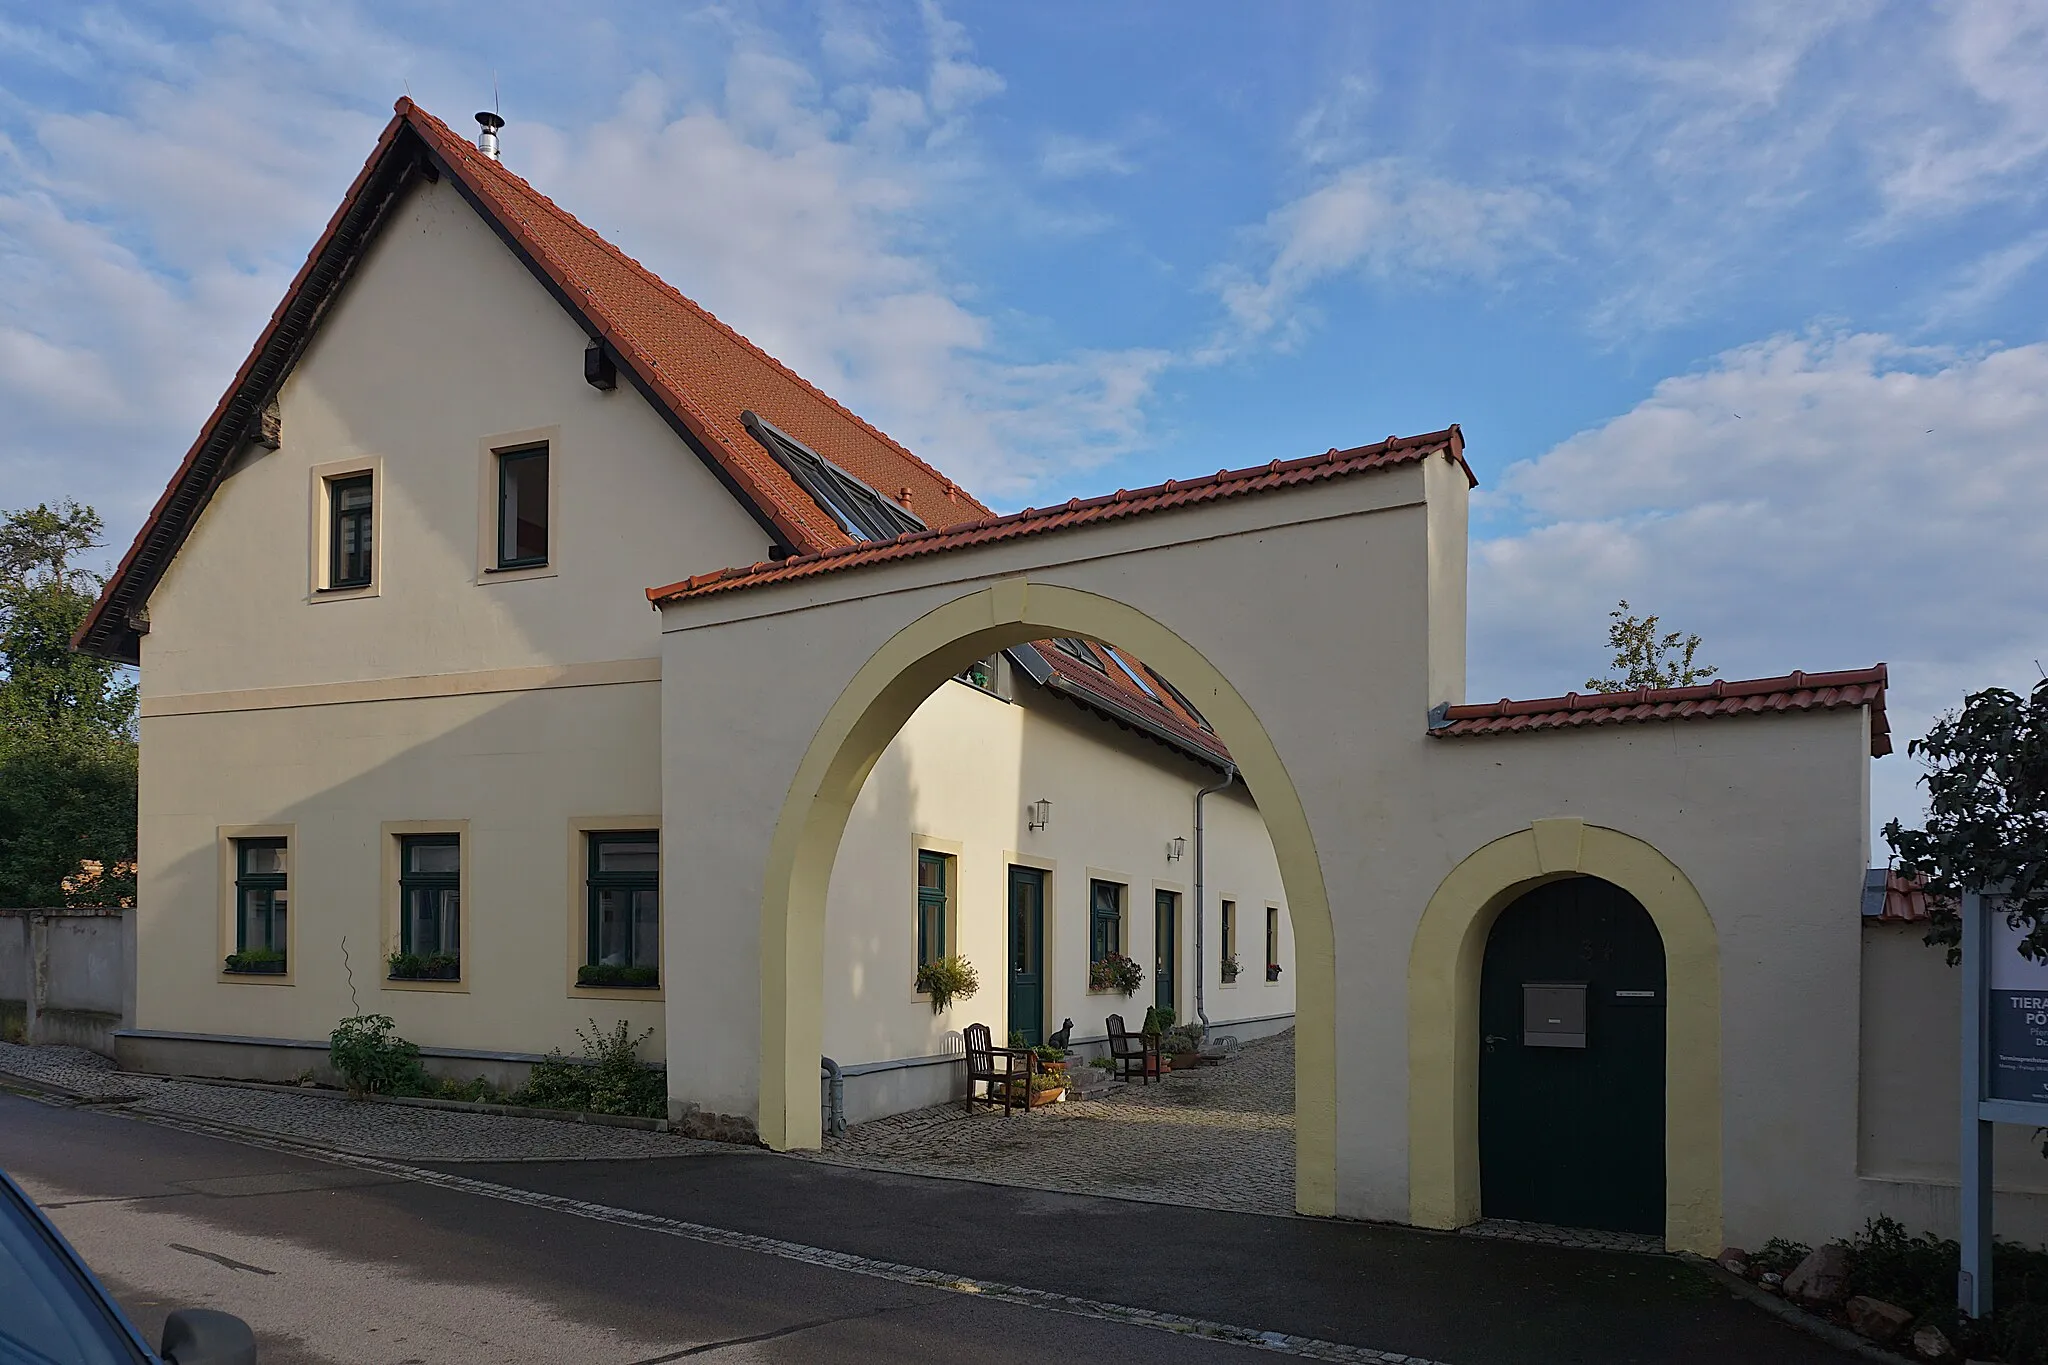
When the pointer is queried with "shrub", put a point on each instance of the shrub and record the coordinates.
(478, 1091)
(265, 960)
(608, 1079)
(946, 980)
(1186, 1038)
(373, 1060)
(1116, 972)
(1778, 1256)
(614, 974)
(1158, 1019)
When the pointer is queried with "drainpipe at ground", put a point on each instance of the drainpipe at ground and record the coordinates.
(1201, 866)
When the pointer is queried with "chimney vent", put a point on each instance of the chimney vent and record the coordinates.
(487, 138)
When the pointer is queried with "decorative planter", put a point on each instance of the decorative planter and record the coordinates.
(1184, 1061)
(235, 968)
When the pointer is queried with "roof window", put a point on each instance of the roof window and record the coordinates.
(860, 511)
(1132, 674)
(1079, 649)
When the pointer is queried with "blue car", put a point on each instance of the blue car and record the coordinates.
(53, 1310)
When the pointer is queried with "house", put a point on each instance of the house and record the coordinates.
(402, 704)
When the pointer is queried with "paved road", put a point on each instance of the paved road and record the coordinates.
(384, 1264)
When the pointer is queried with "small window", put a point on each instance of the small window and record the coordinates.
(623, 943)
(981, 673)
(1272, 943)
(1078, 649)
(429, 908)
(1228, 964)
(934, 888)
(1105, 920)
(523, 507)
(349, 531)
(861, 511)
(262, 897)
(1131, 673)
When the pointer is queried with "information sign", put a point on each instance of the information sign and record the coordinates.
(2016, 1012)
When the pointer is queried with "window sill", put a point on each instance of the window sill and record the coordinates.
(651, 994)
(348, 594)
(256, 978)
(408, 983)
(517, 573)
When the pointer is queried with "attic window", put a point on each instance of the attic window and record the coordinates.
(860, 511)
(1131, 673)
(1079, 649)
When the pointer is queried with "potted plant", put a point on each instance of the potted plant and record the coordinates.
(424, 967)
(614, 974)
(257, 962)
(1115, 972)
(1182, 1046)
(1046, 1088)
(1272, 971)
(947, 979)
(1232, 969)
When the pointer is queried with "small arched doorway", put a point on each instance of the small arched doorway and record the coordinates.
(1571, 1060)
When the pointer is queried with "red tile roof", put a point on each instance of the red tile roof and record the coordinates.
(1908, 901)
(1124, 503)
(697, 371)
(1755, 696)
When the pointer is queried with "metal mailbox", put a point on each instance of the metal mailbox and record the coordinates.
(1553, 1014)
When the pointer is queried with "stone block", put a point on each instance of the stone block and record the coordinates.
(1875, 1320)
(1823, 1277)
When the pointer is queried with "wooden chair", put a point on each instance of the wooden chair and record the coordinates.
(1129, 1050)
(1006, 1071)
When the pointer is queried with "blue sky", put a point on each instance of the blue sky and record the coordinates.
(1741, 307)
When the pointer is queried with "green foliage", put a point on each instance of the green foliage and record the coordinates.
(1919, 1275)
(1184, 1038)
(1232, 968)
(478, 1091)
(946, 980)
(1643, 658)
(1047, 1053)
(608, 1079)
(1778, 1256)
(1115, 972)
(424, 967)
(1987, 813)
(256, 960)
(613, 974)
(1158, 1019)
(67, 743)
(374, 1060)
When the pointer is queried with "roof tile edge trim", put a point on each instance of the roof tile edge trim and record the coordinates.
(1795, 691)
(1174, 493)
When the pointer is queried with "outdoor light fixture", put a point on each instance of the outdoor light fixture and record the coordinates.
(1038, 814)
(1174, 848)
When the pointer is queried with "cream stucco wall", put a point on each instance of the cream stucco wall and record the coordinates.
(1910, 1130)
(956, 780)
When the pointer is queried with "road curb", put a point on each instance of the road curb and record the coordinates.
(1792, 1313)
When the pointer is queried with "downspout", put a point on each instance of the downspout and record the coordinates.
(1229, 776)
(836, 1124)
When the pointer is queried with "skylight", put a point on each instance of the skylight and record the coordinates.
(1079, 649)
(1132, 673)
(860, 511)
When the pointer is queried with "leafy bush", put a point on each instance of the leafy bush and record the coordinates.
(614, 974)
(1116, 973)
(1158, 1019)
(1186, 1038)
(948, 979)
(478, 1091)
(429, 967)
(1778, 1256)
(608, 1079)
(269, 960)
(373, 1060)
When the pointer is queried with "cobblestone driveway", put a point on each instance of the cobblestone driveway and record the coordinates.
(1220, 1137)
(328, 1119)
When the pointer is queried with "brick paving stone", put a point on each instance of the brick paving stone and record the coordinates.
(329, 1119)
(1220, 1136)
(1545, 1234)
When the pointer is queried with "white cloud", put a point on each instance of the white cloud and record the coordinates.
(144, 240)
(1065, 157)
(1988, 137)
(1806, 502)
(1387, 220)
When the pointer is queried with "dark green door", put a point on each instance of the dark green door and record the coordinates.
(1572, 1133)
(1027, 953)
(1166, 939)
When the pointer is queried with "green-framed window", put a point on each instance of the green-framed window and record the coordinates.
(349, 532)
(622, 940)
(1272, 943)
(262, 897)
(523, 507)
(1229, 935)
(1105, 919)
(934, 887)
(430, 895)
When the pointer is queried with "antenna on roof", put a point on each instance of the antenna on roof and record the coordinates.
(487, 139)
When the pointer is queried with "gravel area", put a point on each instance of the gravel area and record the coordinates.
(328, 1119)
(1220, 1137)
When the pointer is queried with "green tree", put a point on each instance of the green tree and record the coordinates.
(67, 721)
(1987, 812)
(1643, 658)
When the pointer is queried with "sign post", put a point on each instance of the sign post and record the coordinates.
(2004, 1074)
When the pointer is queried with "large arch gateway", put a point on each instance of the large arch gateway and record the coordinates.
(1315, 612)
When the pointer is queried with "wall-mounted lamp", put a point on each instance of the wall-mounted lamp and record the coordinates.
(1038, 814)
(1174, 848)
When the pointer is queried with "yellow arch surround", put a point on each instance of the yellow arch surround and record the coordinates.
(874, 706)
(1443, 1020)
